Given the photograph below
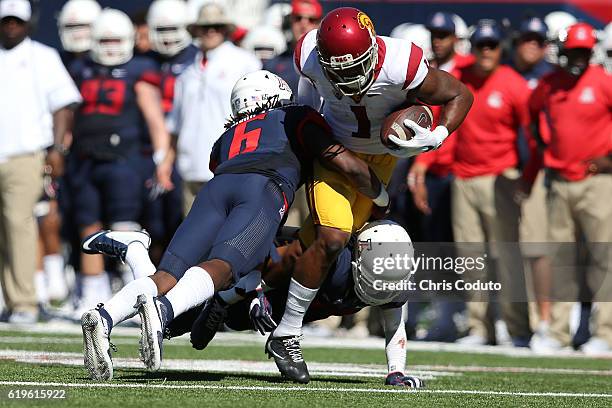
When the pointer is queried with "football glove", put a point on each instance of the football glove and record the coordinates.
(424, 140)
(260, 313)
(400, 380)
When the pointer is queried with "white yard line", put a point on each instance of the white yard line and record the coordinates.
(317, 368)
(219, 366)
(249, 338)
(301, 388)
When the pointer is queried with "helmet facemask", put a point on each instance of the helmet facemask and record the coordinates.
(169, 40)
(351, 76)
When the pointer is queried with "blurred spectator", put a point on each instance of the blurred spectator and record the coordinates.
(305, 16)
(32, 76)
(528, 60)
(265, 42)
(557, 22)
(246, 14)
(174, 52)
(74, 24)
(142, 44)
(606, 46)
(416, 33)
(577, 99)
(444, 41)
(278, 16)
(121, 98)
(202, 97)
(485, 168)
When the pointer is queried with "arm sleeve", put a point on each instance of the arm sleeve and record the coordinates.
(395, 338)
(314, 134)
(60, 90)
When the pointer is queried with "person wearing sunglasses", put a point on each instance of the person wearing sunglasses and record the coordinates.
(485, 167)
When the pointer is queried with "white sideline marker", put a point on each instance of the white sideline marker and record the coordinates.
(303, 388)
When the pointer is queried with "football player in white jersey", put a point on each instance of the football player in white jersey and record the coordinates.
(356, 79)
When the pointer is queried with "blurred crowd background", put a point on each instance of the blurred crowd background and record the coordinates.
(85, 134)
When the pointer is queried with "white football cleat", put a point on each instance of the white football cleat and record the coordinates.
(96, 346)
(152, 328)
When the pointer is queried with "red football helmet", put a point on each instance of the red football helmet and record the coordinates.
(347, 49)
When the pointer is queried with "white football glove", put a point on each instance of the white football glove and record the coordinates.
(424, 140)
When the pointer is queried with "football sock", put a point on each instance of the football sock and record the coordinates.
(95, 288)
(40, 283)
(53, 265)
(137, 257)
(121, 306)
(193, 289)
(298, 300)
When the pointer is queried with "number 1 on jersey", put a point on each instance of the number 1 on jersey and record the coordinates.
(363, 122)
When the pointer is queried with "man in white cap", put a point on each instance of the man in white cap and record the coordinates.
(35, 111)
(202, 96)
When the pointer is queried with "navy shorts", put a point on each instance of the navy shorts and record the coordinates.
(103, 191)
(234, 218)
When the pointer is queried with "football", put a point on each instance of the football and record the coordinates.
(394, 123)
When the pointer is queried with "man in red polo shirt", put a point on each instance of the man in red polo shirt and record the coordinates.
(485, 168)
(577, 102)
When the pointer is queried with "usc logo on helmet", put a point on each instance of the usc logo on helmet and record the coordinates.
(365, 22)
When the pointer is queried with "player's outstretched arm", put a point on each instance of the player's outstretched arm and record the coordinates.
(395, 348)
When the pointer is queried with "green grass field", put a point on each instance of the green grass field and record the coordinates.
(229, 374)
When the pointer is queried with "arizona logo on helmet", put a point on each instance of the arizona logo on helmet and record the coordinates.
(365, 22)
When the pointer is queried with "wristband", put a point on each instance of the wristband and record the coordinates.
(159, 156)
(383, 197)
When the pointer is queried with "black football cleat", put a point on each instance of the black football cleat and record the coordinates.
(288, 357)
(208, 323)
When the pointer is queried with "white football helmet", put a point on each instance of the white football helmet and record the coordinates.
(112, 38)
(463, 46)
(557, 23)
(258, 88)
(378, 242)
(266, 42)
(167, 21)
(74, 24)
(417, 33)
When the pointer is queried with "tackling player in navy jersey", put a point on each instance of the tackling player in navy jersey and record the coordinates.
(258, 163)
(120, 97)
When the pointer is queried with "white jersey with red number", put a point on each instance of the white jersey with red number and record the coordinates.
(401, 66)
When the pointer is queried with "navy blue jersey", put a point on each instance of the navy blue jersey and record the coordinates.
(281, 144)
(170, 68)
(108, 123)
